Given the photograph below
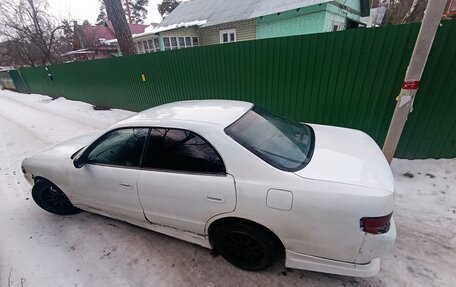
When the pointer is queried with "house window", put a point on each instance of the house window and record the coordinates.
(227, 36)
(173, 43)
(167, 43)
(336, 26)
(146, 46)
(188, 41)
(140, 47)
(151, 46)
(156, 44)
(181, 42)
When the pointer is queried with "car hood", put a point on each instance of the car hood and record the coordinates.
(68, 147)
(348, 156)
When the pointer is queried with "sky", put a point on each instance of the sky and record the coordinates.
(81, 10)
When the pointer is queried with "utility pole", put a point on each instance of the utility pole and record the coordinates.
(404, 105)
(127, 4)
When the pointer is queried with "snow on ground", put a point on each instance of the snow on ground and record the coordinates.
(41, 249)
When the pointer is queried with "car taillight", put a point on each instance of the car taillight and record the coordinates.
(376, 225)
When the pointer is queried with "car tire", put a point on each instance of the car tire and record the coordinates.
(52, 199)
(245, 246)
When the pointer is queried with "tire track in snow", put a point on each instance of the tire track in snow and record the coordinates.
(49, 111)
(47, 126)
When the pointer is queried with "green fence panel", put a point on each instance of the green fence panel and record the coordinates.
(348, 78)
(431, 128)
(39, 81)
(19, 82)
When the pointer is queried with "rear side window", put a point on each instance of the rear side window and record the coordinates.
(281, 142)
(181, 150)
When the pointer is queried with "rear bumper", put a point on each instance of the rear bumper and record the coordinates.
(376, 245)
(306, 262)
(367, 264)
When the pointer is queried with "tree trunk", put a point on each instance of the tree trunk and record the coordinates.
(116, 15)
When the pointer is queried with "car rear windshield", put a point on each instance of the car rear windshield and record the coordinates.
(281, 142)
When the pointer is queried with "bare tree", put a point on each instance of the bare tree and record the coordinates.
(403, 11)
(116, 15)
(30, 32)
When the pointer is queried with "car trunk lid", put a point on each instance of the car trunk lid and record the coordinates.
(348, 156)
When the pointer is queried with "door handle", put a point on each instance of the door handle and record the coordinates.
(126, 186)
(215, 198)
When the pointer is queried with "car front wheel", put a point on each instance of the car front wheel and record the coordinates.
(50, 198)
(245, 246)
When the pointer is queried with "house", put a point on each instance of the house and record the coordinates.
(93, 41)
(207, 22)
(450, 10)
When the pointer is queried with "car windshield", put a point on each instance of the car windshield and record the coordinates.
(281, 142)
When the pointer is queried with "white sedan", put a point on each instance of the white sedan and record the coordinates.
(233, 177)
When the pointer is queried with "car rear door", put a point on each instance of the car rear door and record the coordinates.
(183, 182)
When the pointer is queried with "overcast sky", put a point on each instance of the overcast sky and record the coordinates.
(88, 9)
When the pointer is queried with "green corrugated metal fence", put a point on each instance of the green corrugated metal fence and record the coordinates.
(347, 78)
(19, 82)
(431, 128)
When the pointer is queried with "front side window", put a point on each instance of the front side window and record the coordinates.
(281, 142)
(121, 147)
(181, 150)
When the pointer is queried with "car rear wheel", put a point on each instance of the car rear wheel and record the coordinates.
(247, 247)
(50, 198)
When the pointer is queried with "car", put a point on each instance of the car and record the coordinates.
(233, 177)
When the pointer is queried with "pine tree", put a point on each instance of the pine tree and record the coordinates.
(138, 11)
(167, 6)
(116, 15)
(102, 17)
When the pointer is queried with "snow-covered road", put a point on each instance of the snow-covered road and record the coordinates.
(41, 249)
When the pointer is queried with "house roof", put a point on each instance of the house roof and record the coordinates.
(213, 12)
(97, 32)
(107, 31)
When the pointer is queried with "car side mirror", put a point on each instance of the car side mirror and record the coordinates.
(79, 160)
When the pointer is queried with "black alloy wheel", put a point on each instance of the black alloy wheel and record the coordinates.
(50, 198)
(247, 247)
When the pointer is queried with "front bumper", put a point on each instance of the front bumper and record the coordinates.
(312, 263)
(28, 177)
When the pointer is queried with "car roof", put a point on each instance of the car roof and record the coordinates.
(221, 113)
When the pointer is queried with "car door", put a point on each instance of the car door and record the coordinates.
(108, 180)
(183, 182)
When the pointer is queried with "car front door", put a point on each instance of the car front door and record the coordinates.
(108, 180)
(183, 182)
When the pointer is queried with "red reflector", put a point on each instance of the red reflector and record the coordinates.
(376, 225)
